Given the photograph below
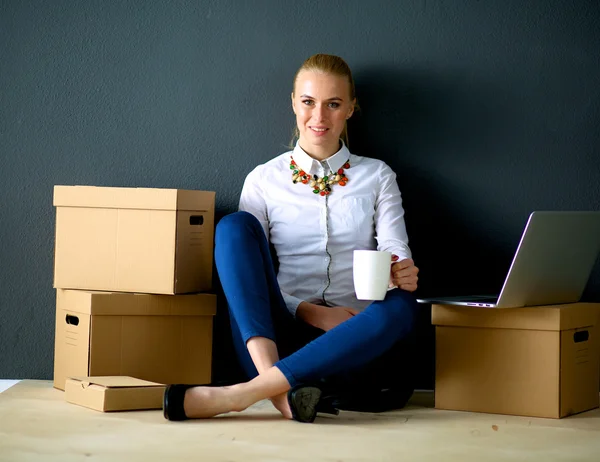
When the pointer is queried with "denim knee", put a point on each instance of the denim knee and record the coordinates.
(402, 308)
(234, 222)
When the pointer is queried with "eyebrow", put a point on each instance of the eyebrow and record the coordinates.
(335, 98)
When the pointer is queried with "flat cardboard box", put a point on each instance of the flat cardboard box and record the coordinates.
(159, 338)
(108, 394)
(536, 361)
(145, 240)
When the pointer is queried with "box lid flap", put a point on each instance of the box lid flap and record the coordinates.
(133, 198)
(132, 304)
(552, 317)
(115, 382)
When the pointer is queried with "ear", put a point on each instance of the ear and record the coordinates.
(293, 106)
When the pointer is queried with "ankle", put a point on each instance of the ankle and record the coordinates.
(242, 396)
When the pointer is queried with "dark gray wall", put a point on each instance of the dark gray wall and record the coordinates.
(487, 111)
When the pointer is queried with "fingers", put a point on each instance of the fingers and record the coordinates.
(404, 275)
(398, 273)
(403, 264)
(410, 279)
(408, 287)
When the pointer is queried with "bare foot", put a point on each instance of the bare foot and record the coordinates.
(204, 402)
(281, 404)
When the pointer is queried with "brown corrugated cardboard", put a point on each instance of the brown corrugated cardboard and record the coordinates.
(143, 240)
(114, 393)
(536, 361)
(160, 338)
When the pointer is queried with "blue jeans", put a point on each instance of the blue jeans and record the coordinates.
(366, 355)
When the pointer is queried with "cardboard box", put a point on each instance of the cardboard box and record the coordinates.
(160, 338)
(114, 393)
(537, 361)
(143, 240)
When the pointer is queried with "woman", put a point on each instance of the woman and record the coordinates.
(302, 337)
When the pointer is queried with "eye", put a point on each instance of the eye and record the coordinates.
(334, 105)
(307, 102)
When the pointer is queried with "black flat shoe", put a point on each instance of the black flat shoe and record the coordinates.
(174, 396)
(173, 401)
(306, 401)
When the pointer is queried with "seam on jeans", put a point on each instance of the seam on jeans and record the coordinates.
(248, 335)
(287, 373)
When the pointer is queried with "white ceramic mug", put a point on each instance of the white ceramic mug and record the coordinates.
(371, 271)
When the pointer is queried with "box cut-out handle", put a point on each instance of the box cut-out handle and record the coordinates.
(73, 320)
(196, 220)
(581, 336)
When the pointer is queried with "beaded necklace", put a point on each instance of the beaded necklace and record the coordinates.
(322, 185)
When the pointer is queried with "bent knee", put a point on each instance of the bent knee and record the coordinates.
(402, 308)
(235, 221)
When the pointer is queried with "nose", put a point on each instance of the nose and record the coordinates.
(319, 112)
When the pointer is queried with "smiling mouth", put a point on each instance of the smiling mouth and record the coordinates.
(318, 130)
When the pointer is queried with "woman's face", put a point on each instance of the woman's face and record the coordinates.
(322, 105)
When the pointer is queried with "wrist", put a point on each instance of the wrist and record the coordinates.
(309, 313)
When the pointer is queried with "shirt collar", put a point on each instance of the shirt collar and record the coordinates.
(306, 163)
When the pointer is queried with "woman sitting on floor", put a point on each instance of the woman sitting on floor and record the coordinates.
(303, 338)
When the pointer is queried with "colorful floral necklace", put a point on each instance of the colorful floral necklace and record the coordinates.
(322, 185)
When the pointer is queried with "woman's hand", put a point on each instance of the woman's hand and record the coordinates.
(324, 317)
(334, 316)
(404, 274)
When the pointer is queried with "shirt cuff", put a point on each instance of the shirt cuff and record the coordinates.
(291, 303)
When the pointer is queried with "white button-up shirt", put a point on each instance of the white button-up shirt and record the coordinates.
(315, 236)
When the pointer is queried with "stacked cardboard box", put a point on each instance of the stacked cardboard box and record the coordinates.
(132, 270)
(537, 361)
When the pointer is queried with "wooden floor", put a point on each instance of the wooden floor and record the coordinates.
(36, 424)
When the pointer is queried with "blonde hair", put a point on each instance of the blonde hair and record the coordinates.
(329, 64)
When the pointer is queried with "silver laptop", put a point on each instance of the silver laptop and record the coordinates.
(552, 264)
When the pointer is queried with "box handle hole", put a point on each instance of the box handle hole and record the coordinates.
(196, 220)
(581, 336)
(73, 320)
